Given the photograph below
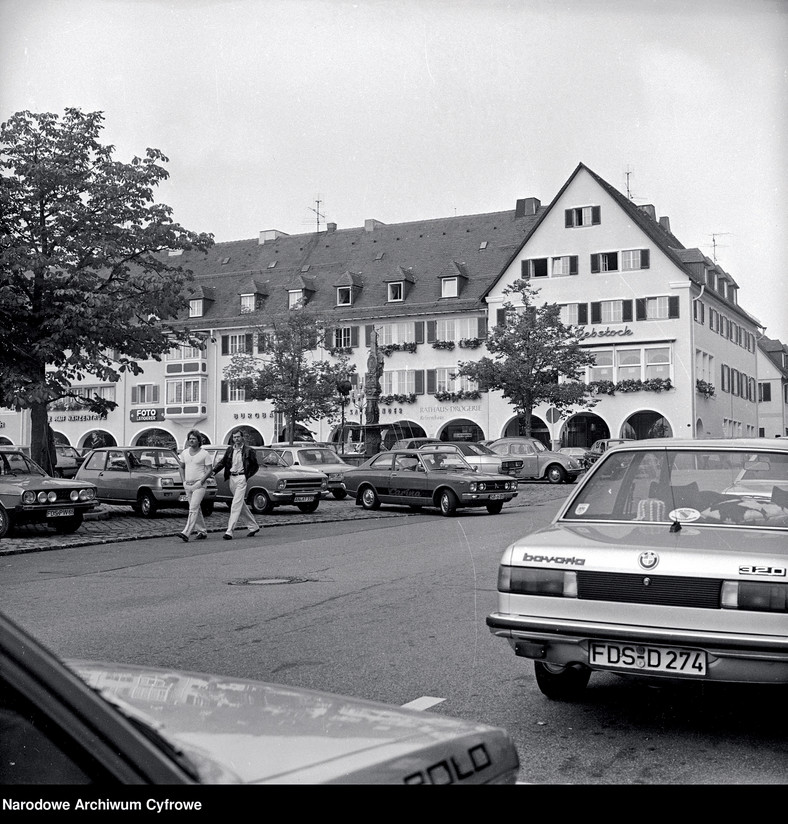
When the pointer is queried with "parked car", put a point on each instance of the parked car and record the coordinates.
(538, 461)
(479, 456)
(414, 443)
(443, 479)
(68, 461)
(274, 484)
(313, 458)
(29, 496)
(80, 722)
(598, 448)
(577, 452)
(147, 478)
(661, 565)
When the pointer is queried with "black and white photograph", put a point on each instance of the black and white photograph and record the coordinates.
(391, 392)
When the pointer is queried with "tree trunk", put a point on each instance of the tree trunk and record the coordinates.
(42, 445)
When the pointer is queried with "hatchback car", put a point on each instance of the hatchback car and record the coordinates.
(414, 478)
(479, 456)
(538, 461)
(275, 483)
(147, 478)
(598, 448)
(68, 461)
(662, 564)
(313, 458)
(81, 722)
(29, 496)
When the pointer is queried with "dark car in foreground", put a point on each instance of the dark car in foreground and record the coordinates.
(539, 462)
(147, 478)
(109, 724)
(275, 483)
(669, 561)
(29, 496)
(417, 478)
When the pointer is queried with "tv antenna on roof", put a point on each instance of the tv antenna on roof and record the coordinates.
(318, 214)
(714, 244)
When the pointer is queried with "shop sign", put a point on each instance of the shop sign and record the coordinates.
(604, 333)
(147, 414)
(249, 416)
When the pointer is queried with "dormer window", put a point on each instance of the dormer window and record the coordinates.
(196, 308)
(344, 296)
(449, 287)
(396, 291)
(295, 298)
(250, 303)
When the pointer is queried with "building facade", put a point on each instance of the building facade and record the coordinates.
(772, 388)
(675, 353)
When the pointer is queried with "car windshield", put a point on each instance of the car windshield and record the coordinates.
(317, 456)
(162, 459)
(16, 464)
(446, 460)
(699, 486)
(474, 449)
(266, 457)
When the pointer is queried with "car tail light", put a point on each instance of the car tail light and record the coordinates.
(528, 581)
(755, 595)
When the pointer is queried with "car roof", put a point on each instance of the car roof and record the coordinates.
(710, 443)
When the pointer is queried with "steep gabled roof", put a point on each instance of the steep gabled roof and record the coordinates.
(777, 352)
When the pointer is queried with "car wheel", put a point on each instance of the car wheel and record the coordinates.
(147, 504)
(207, 508)
(369, 498)
(495, 507)
(64, 526)
(447, 502)
(5, 523)
(310, 507)
(561, 683)
(339, 494)
(260, 503)
(556, 474)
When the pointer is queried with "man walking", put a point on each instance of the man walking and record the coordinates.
(239, 463)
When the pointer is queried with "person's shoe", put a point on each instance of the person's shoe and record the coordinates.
(183, 537)
(201, 536)
(252, 532)
(227, 536)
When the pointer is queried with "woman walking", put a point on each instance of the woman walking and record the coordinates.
(196, 468)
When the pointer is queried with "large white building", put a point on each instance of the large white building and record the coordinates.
(676, 354)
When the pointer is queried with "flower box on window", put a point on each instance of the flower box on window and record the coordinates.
(443, 344)
(705, 388)
(398, 347)
(462, 395)
(389, 399)
(470, 343)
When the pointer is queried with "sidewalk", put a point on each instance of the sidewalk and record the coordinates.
(111, 524)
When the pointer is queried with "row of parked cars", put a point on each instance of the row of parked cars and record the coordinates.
(421, 472)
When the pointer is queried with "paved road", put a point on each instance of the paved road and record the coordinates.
(110, 524)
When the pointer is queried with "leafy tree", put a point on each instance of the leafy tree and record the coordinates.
(529, 354)
(299, 386)
(84, 290)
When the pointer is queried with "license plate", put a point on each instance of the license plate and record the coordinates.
(59, 513)
(496, 496)
(669, 660)
(183, 499)
(303, 499)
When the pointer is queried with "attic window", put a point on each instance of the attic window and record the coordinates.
(196, 308)
(225, 261)
(449, 287)
(251, 302)
(272, 264)
(396, 292)
(483, 245)
(305, 268)
(344, 296)
(295, 298)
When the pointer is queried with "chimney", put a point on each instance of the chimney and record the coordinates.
(270, 234)
(331, 227)
(371, 224)
(664, 222)
(527, 206)
(649, 209)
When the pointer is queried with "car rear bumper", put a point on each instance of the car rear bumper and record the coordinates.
(733, 657)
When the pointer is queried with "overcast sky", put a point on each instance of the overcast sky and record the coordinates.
(405, 110)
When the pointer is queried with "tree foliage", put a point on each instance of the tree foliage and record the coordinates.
(85, 289)
(529, 354)
(300, 386)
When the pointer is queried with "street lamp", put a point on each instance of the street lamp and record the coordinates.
(343, 387)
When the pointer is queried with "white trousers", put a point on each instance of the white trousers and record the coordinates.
(238, 508)
(194, 495)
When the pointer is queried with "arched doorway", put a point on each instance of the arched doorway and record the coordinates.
(700, 429)
(60, 439)
(97, 438)
(461, 430)
(5, 442)
(583, 429)
(156, 437)
(252, 436)
(646, 425)
(539, 430)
